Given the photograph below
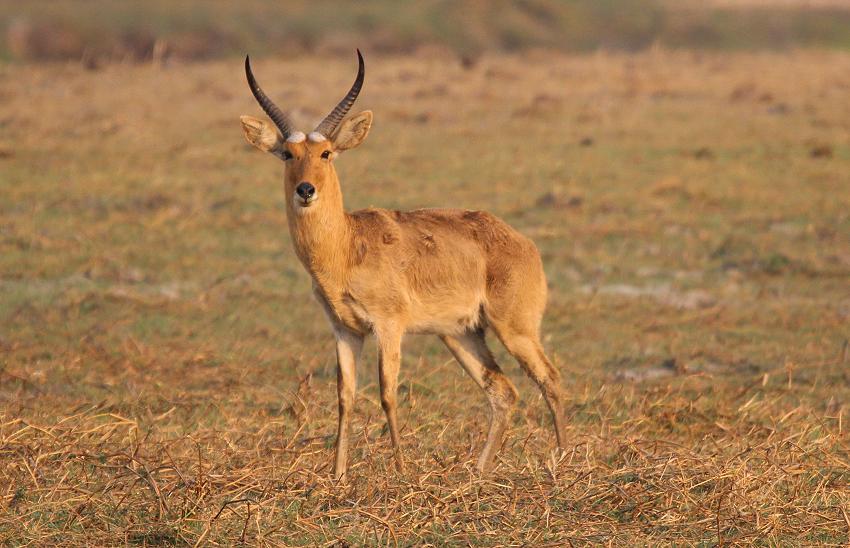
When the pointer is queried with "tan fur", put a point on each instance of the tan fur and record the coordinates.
(450, 272)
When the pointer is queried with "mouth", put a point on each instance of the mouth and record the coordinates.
(305, 202)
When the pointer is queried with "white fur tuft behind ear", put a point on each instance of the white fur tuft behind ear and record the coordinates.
(262, 135)
(352, 131)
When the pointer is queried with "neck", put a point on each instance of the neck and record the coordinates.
(321, 235)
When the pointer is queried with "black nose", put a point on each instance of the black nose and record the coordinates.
(305, 190)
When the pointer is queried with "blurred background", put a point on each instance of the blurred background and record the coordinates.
(104, 30)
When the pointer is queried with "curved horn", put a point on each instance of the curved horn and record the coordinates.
(328, 125)
(280, 119)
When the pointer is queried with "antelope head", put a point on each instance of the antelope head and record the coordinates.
(310, 177)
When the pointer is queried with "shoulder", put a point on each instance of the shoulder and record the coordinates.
(371, 216)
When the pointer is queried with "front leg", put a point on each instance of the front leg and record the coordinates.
(389, 362)
(348, 346)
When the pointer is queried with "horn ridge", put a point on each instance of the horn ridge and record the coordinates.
(332, 120)
(280, 119)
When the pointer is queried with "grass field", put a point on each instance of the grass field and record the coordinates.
(167, 379)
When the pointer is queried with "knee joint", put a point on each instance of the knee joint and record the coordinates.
(388, 402)
(346, 399)
(503, 394)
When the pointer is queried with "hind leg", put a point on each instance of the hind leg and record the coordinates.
(523, 343)
(470, 350)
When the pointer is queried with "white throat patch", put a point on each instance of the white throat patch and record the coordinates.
(295, 137)
(316, 137)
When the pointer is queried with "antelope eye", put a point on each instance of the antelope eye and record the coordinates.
(326, 154)
(287, 155)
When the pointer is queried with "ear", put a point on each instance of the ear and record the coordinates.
(352, 131)
(262, 135)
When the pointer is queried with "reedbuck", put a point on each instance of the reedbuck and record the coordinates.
(450, 272)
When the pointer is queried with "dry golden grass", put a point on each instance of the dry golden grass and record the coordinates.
(167, 380)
